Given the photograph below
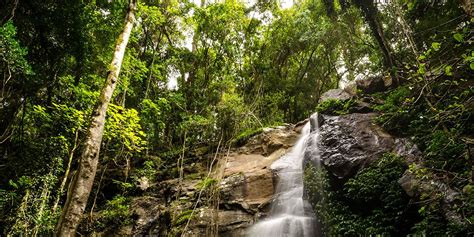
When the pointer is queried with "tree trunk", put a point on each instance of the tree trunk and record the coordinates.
(370, 11)
(81, 184)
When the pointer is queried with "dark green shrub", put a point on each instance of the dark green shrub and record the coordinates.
(372, 202)
(117, 212)
(443, 151)
(394, 99)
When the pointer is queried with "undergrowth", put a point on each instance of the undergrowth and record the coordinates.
(372, 202)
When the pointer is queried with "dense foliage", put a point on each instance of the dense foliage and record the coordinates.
(372, 202)
(435, 108)
(199, 76)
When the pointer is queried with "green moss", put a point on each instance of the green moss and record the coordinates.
(394, 98)
(335, 107)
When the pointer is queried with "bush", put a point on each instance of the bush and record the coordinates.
(397, 111)
(206, 183)
(117, 212)
(444, 151)
(372, 202)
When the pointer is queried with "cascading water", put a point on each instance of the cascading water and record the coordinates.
(290, 214)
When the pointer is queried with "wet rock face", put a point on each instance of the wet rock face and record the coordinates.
(348, 143)
(148, 212)
(245, 184)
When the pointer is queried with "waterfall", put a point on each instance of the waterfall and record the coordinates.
(290, 214)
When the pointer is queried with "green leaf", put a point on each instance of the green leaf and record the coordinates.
(448, 70)
(436, 46)
(472, 66)
(422, 210)
(421, 69)
(13, 184)
(458, 37)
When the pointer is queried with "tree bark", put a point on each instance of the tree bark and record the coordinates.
(81, 184)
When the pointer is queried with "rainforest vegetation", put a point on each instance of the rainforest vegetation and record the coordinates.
(101, 98)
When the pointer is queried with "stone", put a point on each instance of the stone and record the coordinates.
(409, 184)
(450, 199)
(143, 183)
(361, 107)
(149, 216)
(373, 84)
(335, 94)
(348, 143)
(229, 222)
(351, 88)
(270, 140)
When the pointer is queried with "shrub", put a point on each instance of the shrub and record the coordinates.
(372, 202)
(117, 212)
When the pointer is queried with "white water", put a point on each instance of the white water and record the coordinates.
(290, 215)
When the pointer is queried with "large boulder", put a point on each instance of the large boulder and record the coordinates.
(229, 223)
(335, 94)
(269, 141)
(373, 84)
(347, 143)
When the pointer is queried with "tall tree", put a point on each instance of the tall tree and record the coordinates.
(83, 180)
(370, 12)
(371, 15)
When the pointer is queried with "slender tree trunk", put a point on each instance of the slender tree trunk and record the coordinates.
(82, 182)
